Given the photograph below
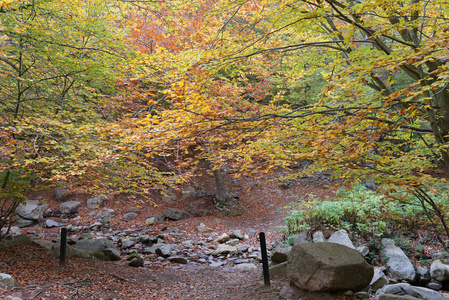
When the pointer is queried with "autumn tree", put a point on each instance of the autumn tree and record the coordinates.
(383, 113)
(56, 65)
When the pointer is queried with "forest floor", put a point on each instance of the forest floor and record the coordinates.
(262, 204)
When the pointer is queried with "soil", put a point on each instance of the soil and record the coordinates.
(261, 206)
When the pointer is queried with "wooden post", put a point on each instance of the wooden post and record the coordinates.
(63, 248)
(263, 249)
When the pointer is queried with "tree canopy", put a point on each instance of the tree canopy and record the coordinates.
(147, 90)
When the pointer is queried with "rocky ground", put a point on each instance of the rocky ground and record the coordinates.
(260, 207)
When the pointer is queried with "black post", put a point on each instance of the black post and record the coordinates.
(263, 249)
(63, 247)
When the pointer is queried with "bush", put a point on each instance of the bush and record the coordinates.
(364, 212)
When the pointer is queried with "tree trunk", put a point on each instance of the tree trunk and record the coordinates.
(221, 194)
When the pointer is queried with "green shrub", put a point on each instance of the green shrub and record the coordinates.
(364, 212)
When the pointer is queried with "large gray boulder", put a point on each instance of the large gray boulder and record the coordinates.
(398, 265)
(439, 271)
(55, 251)
(341, 237)
(31, 210)
(69, 207)
(320, 267)
(94, 245)
(176, 214)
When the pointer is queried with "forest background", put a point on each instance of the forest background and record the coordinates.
(132, 96)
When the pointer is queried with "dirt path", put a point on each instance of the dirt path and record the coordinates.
(39, 277)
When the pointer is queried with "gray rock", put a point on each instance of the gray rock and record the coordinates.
(434, 285)
(222, 238)
(188, 192)
(43, 243)
(405, 289)
(216, 264)
(112, 253)
(94, 245)
(398, 265)
(94, 202)
(236, 234)
(168, 198)
(176, 214)
(106, 213)
(233, 242)
(319, 267)
(370, 184)
(252, 232)
(341, 237)
(31, 210)
(439, 271)
(7, 281)
(151, 221)
(61, 193)
(178, 259)
(13, 231)
(130, 216)
(224, 249)
(245, 267)
(128, 244)
(69, 207)
(52, 223)
(279, 270)
(153, 248)
(423, 276)
(361, 295)
(299, 238)
(364, 250)
(203, 229)
(95, 226)
(318, 237)
(396, 297)
(164, 250)
(438, 255)
(136, 262)
(243, 248)
(23, 223)
(55, 251)
(280, 253)
(379, 279)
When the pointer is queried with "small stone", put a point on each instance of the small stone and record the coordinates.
(233, 242)
(112, 253)
(203, 229)
(224, 249)
(130, 216)
(361, 295)
(151, 221)
(94, 202)
(243, 248)
(6, 280)
(128, 244)
(236, 234)
(252, 232)
(245, 267)
(216, 264)
(364, 250)
(178, 259)
(222, 238)
(318, 237)
(136, 262)
(164, 250)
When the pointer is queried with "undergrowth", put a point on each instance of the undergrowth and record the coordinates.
(366, 214)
